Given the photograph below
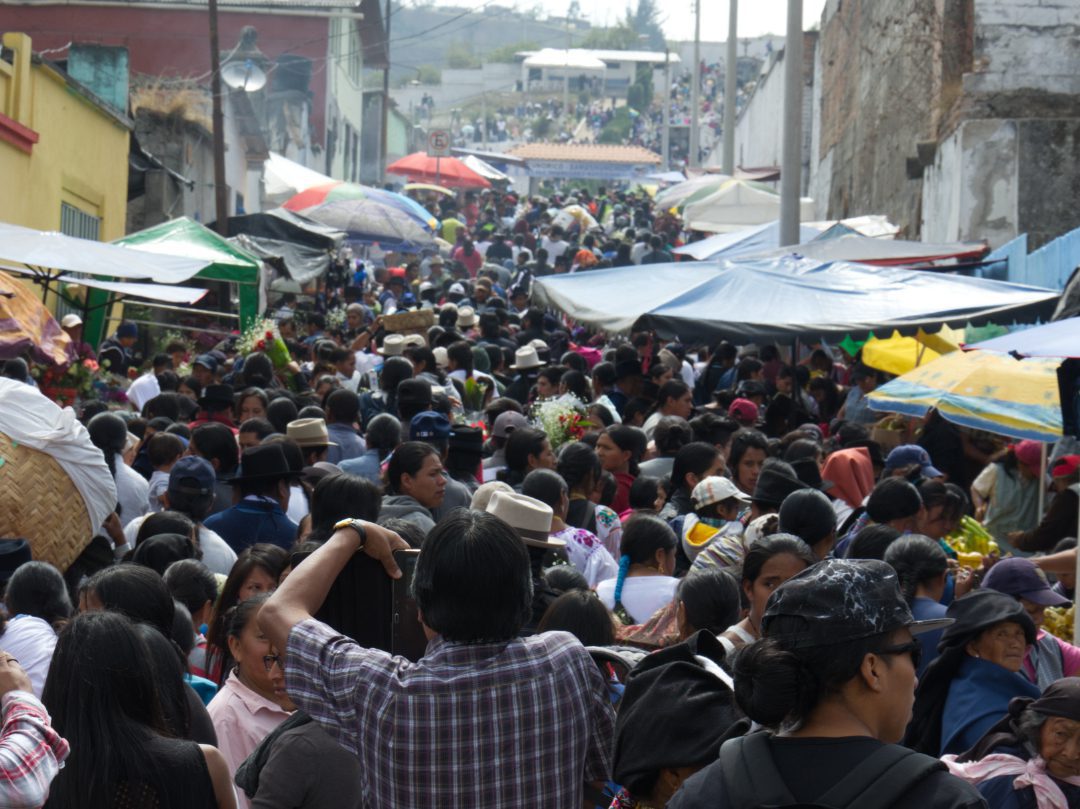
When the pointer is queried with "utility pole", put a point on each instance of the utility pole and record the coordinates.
(695, 82)
(730, 90)
(483, 115)
(791, 157)
(665, 142)
(385, 98)
(221, 190)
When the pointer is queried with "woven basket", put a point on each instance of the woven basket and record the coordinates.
(39, 503)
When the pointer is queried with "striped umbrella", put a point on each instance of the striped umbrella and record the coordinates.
(983, 391)
(367, 214)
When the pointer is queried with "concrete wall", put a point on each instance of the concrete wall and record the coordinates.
(759, 132)
(460, 86)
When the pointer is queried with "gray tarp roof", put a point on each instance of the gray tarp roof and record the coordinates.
(783, 299)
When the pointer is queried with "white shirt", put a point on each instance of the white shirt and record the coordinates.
(31, 641)
(143, 389)
(298, 505)
(132, 492)
(554, 249)
(217, 555)
(641, 595)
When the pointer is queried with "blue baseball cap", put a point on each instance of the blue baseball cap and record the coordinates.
(192, 475)
(912, 455)
(429, 426)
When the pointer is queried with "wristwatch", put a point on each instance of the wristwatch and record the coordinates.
(354, 524)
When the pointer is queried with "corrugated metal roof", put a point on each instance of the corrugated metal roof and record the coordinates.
(585, 153)
(654, 57)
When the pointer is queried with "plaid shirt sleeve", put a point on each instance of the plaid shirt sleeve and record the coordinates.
(601, 747)
(31, 752)
(324, 672)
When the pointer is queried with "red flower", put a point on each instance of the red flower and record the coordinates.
(269, 335)
(260, 345)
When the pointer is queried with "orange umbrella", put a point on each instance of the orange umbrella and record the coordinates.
(445, 171)
(26, 324)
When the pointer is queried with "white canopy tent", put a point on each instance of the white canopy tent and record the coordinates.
(484, 169)
(45, 252)
(283, 178)
(738, 204)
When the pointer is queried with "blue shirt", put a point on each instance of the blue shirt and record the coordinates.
(926, 609)
(367, 465)
(250, 522)
(349, 444)
(978, 697)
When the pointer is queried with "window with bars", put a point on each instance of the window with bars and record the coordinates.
(74, 222)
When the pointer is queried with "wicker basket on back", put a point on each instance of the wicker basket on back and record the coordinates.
(39, 503)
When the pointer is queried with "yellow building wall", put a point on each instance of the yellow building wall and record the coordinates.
(81, 156)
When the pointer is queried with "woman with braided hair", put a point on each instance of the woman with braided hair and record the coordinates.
(922, 568)
(644, 583)
(109, 434)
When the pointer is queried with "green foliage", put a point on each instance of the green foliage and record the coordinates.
(541, 127)
(644, 80)
(618, 128)
(618, 38)
(429, 74)
(645, 21)
(506, 53)
(460, 56)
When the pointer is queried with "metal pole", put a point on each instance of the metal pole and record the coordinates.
(385, 125)
(730, 90)
(221, 190)
(483, 119)
(695, 82)
(791, 159)
(665, 148)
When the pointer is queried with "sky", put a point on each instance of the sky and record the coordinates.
(756, 17)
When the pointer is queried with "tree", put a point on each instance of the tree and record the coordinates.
(460, 56)
(645, 21)
(617, 38)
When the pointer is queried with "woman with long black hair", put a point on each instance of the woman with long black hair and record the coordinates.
(102, 697)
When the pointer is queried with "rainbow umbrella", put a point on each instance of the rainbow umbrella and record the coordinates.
(368, 214)
(981, 390)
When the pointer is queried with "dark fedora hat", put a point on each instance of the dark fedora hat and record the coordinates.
(776, 481)
(220, 395)
(264, 462)
(808, 471)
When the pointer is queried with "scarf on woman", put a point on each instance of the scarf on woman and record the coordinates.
(1029, 774)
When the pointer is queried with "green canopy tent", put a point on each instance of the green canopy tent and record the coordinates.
(228, 263)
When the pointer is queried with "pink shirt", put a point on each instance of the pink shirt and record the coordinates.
(242, 718)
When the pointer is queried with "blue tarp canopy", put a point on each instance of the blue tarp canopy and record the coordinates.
(1058, 339)
(783, 299)
(742, 242)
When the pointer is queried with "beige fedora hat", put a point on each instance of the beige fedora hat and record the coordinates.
(466, 317)
(526, 358)
(530, 519)
(393, 345)
(309, 433)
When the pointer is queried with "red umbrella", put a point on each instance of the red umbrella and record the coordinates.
(446, 171)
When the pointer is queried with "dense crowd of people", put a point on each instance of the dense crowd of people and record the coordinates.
(498, 561)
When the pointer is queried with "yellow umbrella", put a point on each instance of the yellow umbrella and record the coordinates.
(438, 189)
(897, 355)
(983, 391)
(946, 340)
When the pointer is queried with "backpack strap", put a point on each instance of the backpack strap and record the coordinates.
(750, 775)
(880, 780)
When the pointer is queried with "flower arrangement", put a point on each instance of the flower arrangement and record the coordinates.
(263, 335)
(66, 385)
(476, 390)
(335, 319)
(564, 419)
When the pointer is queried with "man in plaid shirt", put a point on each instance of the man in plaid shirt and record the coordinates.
(485, 718)
(31, 752)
